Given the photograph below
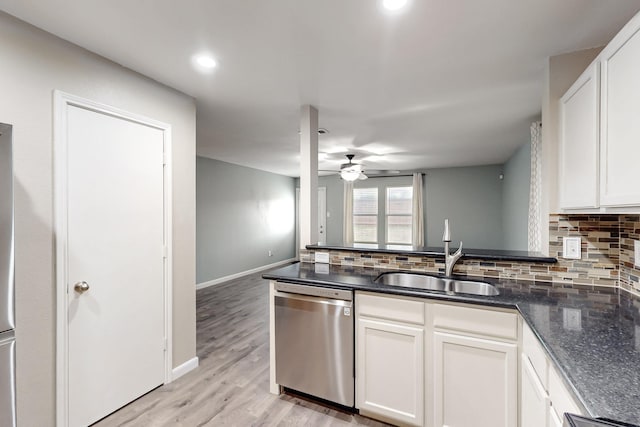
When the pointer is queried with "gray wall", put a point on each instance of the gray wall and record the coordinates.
(241, 215)
(34, 64)
(471, 197)
(515, 198)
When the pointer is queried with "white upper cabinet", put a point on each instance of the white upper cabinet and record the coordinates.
(579, 148)
(620, 121)
(599, 141)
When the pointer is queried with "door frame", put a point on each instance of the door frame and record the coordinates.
(61, 102)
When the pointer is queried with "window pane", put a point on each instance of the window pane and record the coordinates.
(399, 200)
(365, 201)
(365, 228)
(399, 229)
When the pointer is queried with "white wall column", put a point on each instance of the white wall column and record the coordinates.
(308, 175)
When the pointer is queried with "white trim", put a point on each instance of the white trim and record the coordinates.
(274, 388)
(61, 101)
(185, 368)
(243, 273)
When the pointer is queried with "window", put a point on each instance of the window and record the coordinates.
(399, 215)
(365, 215)
(383, 220)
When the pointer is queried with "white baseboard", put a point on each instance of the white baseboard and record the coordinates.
(244, 273)
(186, 367)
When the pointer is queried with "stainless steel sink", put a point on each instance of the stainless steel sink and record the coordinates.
(433, 283)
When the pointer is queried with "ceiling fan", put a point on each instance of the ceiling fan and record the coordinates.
(352, 171)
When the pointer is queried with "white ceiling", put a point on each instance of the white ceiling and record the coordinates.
(444, 83)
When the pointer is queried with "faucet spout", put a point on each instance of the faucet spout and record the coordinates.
(449, 259)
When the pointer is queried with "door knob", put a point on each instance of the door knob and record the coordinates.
(81, 287)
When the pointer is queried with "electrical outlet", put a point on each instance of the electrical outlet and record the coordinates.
(571, 247)
(636, 253)
(322, 257)
(270, 253)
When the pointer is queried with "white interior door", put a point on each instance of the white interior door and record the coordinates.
(322, 214)
(115, 244)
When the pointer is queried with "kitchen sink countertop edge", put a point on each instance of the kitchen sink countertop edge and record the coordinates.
(592, 334)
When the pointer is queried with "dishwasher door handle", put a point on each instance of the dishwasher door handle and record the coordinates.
(286, 299)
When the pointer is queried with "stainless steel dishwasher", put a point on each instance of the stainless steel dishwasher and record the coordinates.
(314, 341)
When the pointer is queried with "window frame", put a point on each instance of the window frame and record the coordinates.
(387, 214)
(376, 215)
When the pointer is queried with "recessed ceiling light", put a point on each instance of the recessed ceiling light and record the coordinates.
(394, 4)
(205, 62)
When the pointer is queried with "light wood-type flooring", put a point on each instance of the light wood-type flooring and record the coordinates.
(231, 385)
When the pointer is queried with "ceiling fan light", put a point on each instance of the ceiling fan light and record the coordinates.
(350, 175)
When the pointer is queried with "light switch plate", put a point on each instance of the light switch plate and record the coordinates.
(636, 253)
(571, 247)
(322, 257)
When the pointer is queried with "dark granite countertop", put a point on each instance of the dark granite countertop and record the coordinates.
(592, 334)
(433, 251)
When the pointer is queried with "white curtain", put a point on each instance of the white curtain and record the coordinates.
(535, 189)
(347, 227)
(417, 212)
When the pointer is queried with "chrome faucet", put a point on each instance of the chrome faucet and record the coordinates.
(449, 260)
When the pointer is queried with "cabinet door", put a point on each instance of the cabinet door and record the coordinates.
(620, 126)
(535, 401)
(390, 371)
(579, 142)
(555, 420)
(475, 382)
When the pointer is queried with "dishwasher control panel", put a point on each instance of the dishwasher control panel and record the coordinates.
(316, 291)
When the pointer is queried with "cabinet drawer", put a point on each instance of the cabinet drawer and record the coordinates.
(533, 350)
(390, 308)
(478, 321)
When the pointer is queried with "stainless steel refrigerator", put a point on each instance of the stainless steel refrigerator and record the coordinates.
(7, 316)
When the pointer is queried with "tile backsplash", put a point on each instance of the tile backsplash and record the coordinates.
(607, 256)
(600, 236)
(629, 273)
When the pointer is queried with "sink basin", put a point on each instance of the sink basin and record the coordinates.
(433, 283)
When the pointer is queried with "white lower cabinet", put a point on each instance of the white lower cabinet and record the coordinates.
(453, 365)
(475, 381)
(554, 419)
(544, 397)
(390, 358)
(534, 403)
(390, 375)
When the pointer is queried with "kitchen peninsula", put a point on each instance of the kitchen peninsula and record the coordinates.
(588, 333)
